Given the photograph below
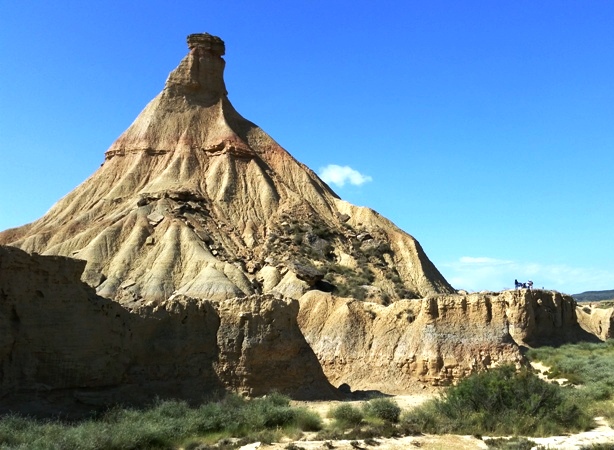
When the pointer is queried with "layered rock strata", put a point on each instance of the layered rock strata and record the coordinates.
(193, 199)
(66, 350)
(198, 239)
(434, 341)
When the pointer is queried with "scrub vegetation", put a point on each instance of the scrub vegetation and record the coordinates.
(499, 402)
(502, 402)
(230, 423)
(589, 367)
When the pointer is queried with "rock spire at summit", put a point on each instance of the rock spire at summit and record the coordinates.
(207, 43)
(201, 73)
(195, 200)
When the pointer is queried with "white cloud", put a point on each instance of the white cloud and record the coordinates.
(484, 273)
(339, 175)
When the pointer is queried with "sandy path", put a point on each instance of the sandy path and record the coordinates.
(444, 442)
(600, 435)
(404, 402)
(541, 370)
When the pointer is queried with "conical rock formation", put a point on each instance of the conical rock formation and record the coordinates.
(193, 199)
(219, 261)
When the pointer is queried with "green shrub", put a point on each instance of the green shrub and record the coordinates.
(589, 365)
(272, 411)
(165, 425)
(382, 408)
(605, 304)
(501, 401)
(346, 415)
(308, 420)
(275, 398)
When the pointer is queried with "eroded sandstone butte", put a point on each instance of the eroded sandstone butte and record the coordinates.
(193, 199)
(596, 320)
(202, 256)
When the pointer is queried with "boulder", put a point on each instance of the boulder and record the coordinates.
(597, 321)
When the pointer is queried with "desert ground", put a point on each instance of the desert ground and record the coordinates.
(603, 433)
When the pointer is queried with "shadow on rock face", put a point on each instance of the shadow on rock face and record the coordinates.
(67, 352)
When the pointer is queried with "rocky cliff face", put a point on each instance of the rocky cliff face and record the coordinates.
(66, 350)
(436, 340)
(193, 199)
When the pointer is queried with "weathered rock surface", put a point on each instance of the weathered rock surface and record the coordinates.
(597, 321)
(65, 350)
(193, 199)
(435, 340)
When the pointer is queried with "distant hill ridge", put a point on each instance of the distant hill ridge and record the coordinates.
(594, 296)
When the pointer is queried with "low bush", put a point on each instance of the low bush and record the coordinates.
(382, 408)
(605, 304)
(590, 366)
(346, 415)
(501, 401)
(307, 420)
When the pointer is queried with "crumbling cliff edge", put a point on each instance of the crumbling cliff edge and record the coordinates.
(435, 340)
(596, 320)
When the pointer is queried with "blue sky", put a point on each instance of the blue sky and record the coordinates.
(484, 129)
